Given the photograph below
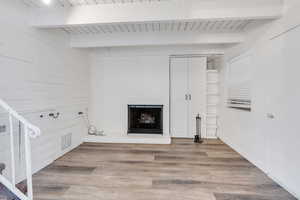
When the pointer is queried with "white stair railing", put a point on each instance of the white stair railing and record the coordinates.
(30, 131)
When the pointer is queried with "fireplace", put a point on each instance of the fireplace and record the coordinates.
(145, 119)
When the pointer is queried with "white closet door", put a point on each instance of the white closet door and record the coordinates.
(198, 91)
(179, 89)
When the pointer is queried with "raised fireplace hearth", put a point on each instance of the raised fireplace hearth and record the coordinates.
(145, 119)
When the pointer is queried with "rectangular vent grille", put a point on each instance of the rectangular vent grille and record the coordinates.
(66, 141)
(2, 129)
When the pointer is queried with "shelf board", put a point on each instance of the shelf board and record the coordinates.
(212, 71)
(213, 82)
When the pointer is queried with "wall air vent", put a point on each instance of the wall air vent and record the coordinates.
(66, 141)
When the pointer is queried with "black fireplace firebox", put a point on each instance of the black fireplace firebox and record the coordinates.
(145, 119)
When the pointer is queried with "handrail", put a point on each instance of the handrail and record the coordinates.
(35, 131)
(31, 131)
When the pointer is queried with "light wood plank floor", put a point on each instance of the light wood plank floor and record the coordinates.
(181, 171)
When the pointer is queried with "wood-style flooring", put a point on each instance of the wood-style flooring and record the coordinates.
(180, 171)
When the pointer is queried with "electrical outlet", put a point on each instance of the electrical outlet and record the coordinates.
(2, 128)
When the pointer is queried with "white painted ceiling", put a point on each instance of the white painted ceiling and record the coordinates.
(146, 22)
(229, 26)
(68, 3)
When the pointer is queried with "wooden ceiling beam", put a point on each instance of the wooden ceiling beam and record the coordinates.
(153, 38)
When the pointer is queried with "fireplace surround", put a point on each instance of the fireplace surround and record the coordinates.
(145, 119)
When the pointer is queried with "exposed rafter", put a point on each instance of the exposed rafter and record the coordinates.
(229, 26)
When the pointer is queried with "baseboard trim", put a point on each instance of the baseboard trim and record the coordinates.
(287, 188)
(129, 139)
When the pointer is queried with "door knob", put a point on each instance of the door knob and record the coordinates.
(190, 96)
(186, 97)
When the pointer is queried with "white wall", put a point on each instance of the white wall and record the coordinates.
(133, 75)
(273, 145)
(117, 82)
(40, 74)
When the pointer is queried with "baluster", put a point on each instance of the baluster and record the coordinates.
(28, 163)
(12, 150)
